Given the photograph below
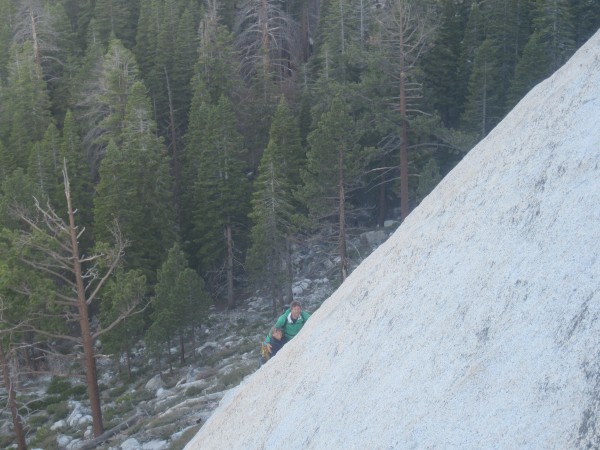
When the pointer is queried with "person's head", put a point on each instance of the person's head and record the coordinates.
(295, 309)
(277, 333)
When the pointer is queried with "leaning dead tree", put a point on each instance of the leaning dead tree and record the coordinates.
(50, 246)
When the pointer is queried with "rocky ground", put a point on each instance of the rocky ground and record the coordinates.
(157, 410)
(160, 409)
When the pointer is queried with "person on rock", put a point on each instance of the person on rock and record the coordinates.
(291, 322)
(277, 340)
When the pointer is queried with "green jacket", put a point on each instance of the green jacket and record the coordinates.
(290, 328)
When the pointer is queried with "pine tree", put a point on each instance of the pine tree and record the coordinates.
(335, 165)
(119, 74)
(135, 188)
(180, 303)
(340, 38)
(273, 205)
(106, 82)
(27, 107)
(586, 14)
(7, 10)
(221, 204)
(215, 76)
(474, 35)
(7, 162)
(177, 46)
(548, 48)
(508, 28)
(484, 107)
(123, 297)
(166, 43)
(146, 42)
(44, 168)
(445, 84)
(116, 18)
(182, 72)
(408, 28)
(63, 62)
(531, 69)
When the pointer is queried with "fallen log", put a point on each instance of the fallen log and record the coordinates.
(93, 443)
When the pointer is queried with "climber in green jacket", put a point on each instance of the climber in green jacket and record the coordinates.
(291, 322)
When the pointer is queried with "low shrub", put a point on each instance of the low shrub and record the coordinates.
(78, 392)
(40, 404)
(58, 410)
(44, 438)
(58, 386)
(186, 436)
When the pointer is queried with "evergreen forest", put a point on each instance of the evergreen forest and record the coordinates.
(161, 156)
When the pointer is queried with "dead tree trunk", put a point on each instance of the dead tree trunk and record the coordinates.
(84, 322)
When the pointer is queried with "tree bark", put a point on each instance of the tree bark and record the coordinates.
(181, 348)
(174, 149)
(342, 220)
(404, 206)
(84, 323)
(229, 240)
(382, 206)
(290, 269)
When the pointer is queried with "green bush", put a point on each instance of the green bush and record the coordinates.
(131, 399)
(40, 404)
(7, 440)
(58, 410)
(78, 392)
(35, 421)
(44, 438)
(58, 386)
(118, 391)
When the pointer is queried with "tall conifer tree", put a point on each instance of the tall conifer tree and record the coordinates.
(215, 76)
(548, 48)
(27, 109)
(273, 205)
(335, 165)
(116, 18)
(221, 189)
(484, 107)
(180, 302)
(44, 168)
(136, 188)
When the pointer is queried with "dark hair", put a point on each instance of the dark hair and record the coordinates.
(294, 304)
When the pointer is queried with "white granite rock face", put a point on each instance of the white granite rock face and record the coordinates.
(477, 324)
